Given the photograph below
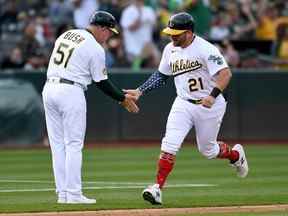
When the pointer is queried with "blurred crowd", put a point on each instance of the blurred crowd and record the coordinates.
(249, 33)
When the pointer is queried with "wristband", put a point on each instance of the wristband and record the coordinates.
(215, 92)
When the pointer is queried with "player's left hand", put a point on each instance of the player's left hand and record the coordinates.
(208, 101)
(129, 104)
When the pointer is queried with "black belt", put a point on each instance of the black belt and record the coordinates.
(194, 101)
(60, 80)
(66, 81)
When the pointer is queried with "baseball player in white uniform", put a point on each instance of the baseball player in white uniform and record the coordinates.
(78, 58)
(200, 74)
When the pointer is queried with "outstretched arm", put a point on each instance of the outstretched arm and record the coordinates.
(156, 80)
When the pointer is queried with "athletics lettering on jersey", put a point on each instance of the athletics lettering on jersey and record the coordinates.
(74, 37)
(183, 66)
(193, 67)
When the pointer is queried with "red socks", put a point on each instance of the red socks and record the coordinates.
(167, 161)
(165, 165)
(227, 152)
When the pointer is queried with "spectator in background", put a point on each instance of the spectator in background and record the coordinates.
(9, 13)
(41, 33)
(8, 17)
(266, 28)
(23, 18)
(163, 16)
(200, 11)
(243, 22)
(34, 57)
(14, 60)
(60, 12)
(115, 54)
(280, 46)
(230, 53)
(220, 27)
(138, 22)
(83, 9)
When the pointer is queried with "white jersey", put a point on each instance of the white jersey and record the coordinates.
(193, 67)
(78, 57)
(134, 41)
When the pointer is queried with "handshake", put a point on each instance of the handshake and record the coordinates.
(131, 97)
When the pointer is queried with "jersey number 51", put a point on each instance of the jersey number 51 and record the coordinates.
(63, 54)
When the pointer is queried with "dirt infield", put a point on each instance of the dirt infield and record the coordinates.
(164, 211)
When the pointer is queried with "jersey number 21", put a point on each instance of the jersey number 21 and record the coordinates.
(195, 84)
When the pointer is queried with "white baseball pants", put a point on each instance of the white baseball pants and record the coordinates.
(65, 111)
(207, 121)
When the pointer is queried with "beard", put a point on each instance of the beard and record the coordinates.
(176, 43)
(178, 40)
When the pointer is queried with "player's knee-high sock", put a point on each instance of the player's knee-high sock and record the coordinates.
(227, 152)
(165, 165)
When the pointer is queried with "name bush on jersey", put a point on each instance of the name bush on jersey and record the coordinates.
(74, 37)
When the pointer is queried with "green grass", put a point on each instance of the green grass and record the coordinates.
(238, 214)
(267, 182)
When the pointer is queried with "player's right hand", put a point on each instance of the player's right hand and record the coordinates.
(129, 103)
(208, 101)
(136, 93)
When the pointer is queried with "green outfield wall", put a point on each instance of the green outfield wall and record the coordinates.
(257, 108)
